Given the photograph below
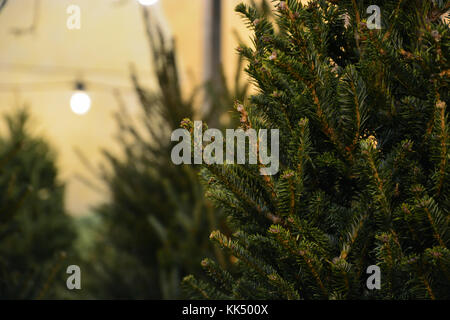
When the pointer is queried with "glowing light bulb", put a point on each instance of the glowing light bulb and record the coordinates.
(80, 103)
(148, 2)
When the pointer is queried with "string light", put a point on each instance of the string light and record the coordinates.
(80, 102)
(148, 2)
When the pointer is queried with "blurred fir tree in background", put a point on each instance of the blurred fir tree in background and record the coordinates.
(364, 157)
(36, 235)
(155, 228)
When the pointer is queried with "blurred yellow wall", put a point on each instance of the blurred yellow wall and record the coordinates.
(111, 37)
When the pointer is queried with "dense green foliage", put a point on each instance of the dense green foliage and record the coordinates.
(364, 157)
(35, 233)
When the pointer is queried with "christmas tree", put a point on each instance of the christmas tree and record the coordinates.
(36, 235)
(359, 93)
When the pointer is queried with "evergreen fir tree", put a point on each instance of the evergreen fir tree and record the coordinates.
(364, 156)
(35, 233)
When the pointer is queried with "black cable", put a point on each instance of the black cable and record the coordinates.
(54, 69)
(2, 4)
(69, 85)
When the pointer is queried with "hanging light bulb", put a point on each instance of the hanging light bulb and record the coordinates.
(80, 102)
(148, 2)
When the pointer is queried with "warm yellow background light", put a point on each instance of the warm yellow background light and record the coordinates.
(111, 36)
